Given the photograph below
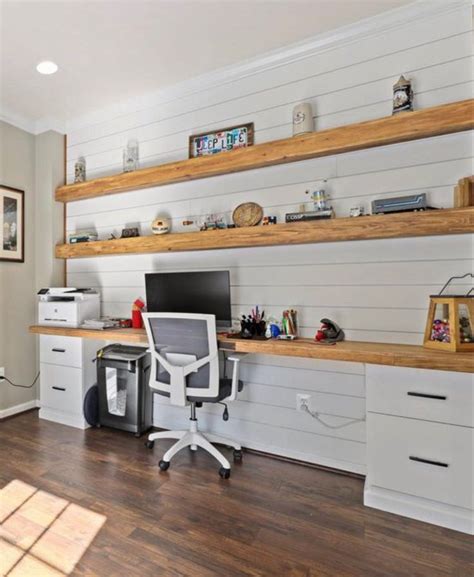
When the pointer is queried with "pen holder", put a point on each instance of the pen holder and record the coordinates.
(250, 329)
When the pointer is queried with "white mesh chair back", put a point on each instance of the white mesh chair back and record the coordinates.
(185, 355)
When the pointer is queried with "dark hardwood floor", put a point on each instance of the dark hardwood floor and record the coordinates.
(271, 519)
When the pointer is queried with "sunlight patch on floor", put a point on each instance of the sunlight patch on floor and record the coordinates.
(42, 535)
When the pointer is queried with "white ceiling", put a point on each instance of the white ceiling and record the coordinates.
(113, 50)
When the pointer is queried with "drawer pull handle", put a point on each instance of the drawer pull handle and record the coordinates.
(59, 388)
(429, 462)
(58, 350)
(427, 396)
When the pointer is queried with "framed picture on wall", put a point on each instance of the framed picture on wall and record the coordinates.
(12, 224)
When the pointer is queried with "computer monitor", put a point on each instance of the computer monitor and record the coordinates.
(203, 292)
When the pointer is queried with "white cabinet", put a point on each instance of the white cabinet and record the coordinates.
(420, 445)
(68, 371)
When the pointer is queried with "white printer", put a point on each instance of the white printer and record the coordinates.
(67, 307)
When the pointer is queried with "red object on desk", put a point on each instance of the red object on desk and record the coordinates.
(137, 320)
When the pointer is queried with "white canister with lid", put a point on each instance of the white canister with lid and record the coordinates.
(303, 118)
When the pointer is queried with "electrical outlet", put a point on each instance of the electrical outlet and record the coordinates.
(2, 372)
(301, 401)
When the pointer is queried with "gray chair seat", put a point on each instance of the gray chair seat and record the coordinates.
(225, 389)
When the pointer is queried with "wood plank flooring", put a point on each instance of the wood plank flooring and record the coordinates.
(271, 519)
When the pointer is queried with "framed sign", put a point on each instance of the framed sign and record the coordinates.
(221, 140)
(12, 224)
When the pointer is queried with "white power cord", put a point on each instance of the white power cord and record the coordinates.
(316, 415)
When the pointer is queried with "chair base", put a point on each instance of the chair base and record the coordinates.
(194, 439)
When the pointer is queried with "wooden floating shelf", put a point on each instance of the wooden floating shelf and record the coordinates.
(445, 119)
(358, 352)
(429, 223)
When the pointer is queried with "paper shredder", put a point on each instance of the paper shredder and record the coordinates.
(125, 399)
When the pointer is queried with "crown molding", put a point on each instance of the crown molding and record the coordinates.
(17, 121)
(356, 32)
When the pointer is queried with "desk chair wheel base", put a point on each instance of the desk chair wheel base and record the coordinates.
(164, 465)
(237, 456)
(149, 444)
(224, 473)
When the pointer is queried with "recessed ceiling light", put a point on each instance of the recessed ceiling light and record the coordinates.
(47, 67)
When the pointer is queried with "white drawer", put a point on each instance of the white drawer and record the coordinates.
(66, 351)
(440, 396)
(429, 460)
(61, 388)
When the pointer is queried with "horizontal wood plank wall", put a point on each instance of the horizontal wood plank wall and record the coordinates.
(377, 290)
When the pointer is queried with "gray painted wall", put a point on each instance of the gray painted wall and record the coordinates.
(33, 164)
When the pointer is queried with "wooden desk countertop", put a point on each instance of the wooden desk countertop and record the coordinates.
(359, 352)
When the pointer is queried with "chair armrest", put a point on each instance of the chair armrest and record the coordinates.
(235, 358)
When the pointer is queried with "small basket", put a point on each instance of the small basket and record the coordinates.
(449, 326)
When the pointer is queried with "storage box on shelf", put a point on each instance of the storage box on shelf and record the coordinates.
(420, 445)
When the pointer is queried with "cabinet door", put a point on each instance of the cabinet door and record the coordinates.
(429, 460)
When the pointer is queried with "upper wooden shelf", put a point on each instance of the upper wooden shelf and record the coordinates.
(359, 352)
(445, 119)
(429, 223)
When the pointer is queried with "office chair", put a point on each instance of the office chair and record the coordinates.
(185, 368)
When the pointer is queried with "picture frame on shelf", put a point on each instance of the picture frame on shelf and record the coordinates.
(12, 224)
(222, 140)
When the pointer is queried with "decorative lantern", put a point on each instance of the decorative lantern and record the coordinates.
(449, 326)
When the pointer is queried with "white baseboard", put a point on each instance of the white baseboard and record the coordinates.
(69, 419)
(421, 509)
(19, 409)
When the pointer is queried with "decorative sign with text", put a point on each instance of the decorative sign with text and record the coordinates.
(221, 140)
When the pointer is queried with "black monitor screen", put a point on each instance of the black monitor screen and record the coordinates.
(203, 292)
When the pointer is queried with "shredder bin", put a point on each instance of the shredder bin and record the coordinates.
(125, 399)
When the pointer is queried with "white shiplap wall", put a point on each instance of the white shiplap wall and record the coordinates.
(377, 290)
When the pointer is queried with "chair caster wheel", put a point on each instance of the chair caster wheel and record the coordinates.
(164, 465)
(237, 455)
(224, 473)
(149, 444)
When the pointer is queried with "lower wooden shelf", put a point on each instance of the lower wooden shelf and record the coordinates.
(429, 223)
(359, 352)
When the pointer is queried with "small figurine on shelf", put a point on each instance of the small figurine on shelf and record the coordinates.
(80, 170)
(161, 225)
(402, 96)
(356, 211)
(329, 333)
(212, 222)
(267, 220)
